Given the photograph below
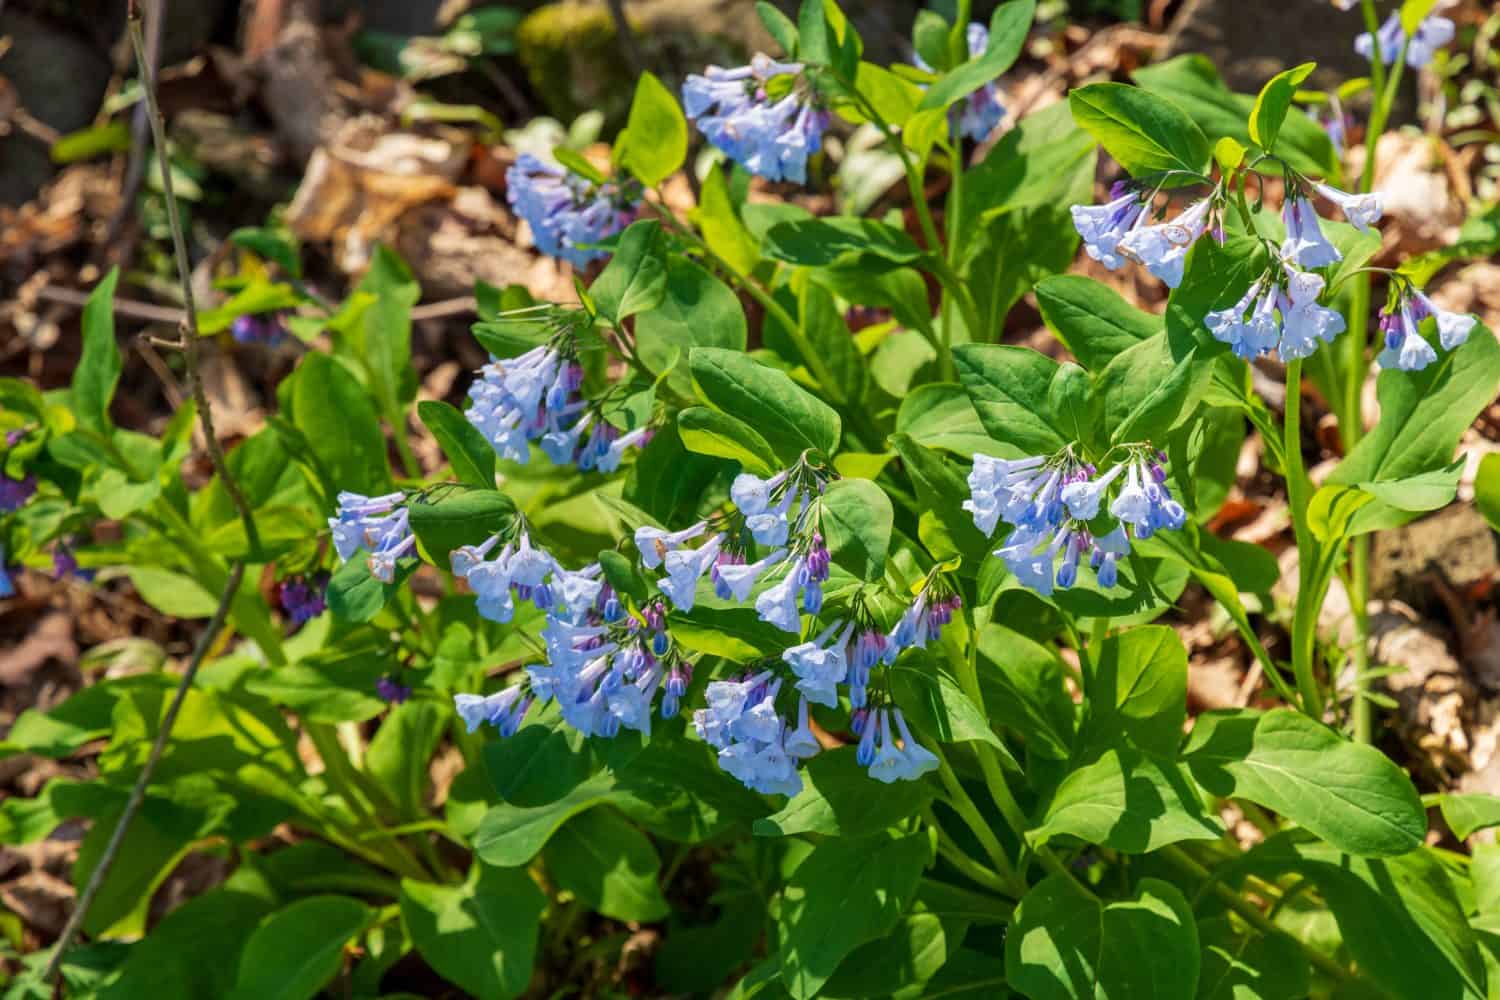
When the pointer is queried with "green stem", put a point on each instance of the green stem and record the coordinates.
(959, 800)
(1352, 421)
(967, 668)
(951, 221)
(342, 776)
(968, 866)
(1250, 913)
(1305, 618)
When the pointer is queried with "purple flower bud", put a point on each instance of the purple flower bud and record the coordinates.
(391, 690)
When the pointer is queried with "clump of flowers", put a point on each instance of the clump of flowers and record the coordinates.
(535, 398)
(1432, 34)
(391, 690)
(569, 214)
(755, 743)
(1118, 231)
(1055, 505)
(1279, 313)
(302, 597)
(379, 525)
(1400, 327)
(266, 329)
(15, 492)
(766, 116)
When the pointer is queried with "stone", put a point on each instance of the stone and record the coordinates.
(1456, 540)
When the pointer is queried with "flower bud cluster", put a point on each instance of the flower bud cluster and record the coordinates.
(770, 137)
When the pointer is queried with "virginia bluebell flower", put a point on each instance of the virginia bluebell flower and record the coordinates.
(1163, 248)
(301, 598)
(1104, 226)
(754, 742)
(1305, 242)
(367, 524)
(821, 664)
(1432, 34)
(504, 709)
(770, 138)
(1400, 325)
(1279, 312)
(892, 761)
(568, 213)
(267, 329)
(1362, 210)
(391, 690)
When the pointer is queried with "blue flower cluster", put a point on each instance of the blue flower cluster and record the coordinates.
(267, 329)
(379, 525)
(1405, 347)
(1052, 504)
(15, 492)
(1279, 313)
(879, 750)
(981, 112)
(755, 743)
(567, 213)
(534, 397)
(771, 138)
(1432, 34)
(1117, 231)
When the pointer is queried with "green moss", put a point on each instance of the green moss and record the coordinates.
(573, 61)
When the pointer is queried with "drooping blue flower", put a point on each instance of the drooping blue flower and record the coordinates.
(737, 580)
(822, 663)
(742, 723)
(504, 709)
(1362, 210)
(567, 213)
(1305, 242)
(771, 139)
(1432, 34)
(1453, 328)
(1405, 347)
(685, 567)
(1103, 227)
(1163, 248)
(1304, 323)
(990, 480)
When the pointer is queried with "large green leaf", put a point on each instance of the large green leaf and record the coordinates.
(821, 242)
(471, 456)
(856, 523)
(1248, 966)
(1350, 794)
(697, 310)
(654, 143)
(1137, 685)
(99, 367)
(1023, 687)
(297, 950)
(1275, 100)
(1128, 802)
(941, 489)
(789, 418)
(1009, 389)
(1145, 389)
(608, 864)
(512, 835)
(459, 517)
(1468, 814)
(1192, 83)
(538, 765)
(480, 935)
(1146, 134)
(1007, 34)
(844, 893)
(635, 279)
(1092, 320)
(707, 431)
(339, 423)
(1067, 945)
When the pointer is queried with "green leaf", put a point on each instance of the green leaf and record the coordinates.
(1247, 966)
(1023, 688)
(635, 279)
(718, 629)
(338, 419)
(697, 310)
(399, 755)
(844, 893)
(815, 43)
(269, 244)
(900, 964)
(1092, 319)
(667, 482)
(789, 418)
(1008, 29)
(333, 685)
(480, 936)
(838, 799)
(1192, 83)
(892, 96)
(460, 516)
(778, 26)
(1487, 489)
(936, 705)
(1273, 103)
(1468, 814)
(821, 340)
(856, 523)
(99, 367)
(1423, 414)
(1008, 387)
(1143, 392)
(710, 432)
(1350, 794)
(1128, 802)
(1215, 278)
(1067, 945)
(538, 765)
(939, 415)
(608, 864)
(722, 229)
(1146, 134)
(354, 594)
(297, 950)
(1414, 12)
(511, 835)
(941, 489)
(822, 242)
(1229, 154)
(654, 144)
(1137, 686)
(471, 456)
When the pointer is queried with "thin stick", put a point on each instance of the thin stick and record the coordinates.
(444, 309)
(138, 793)
(185, 276)
(135, 169)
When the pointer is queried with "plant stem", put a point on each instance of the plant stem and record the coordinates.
(189, 331)
(1250, 913)
(965, 863)
(1305, 618)
(1351, 421)
(970, 814)
(138, 791)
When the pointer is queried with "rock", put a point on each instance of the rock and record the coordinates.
(59, 79)
(1431, 689)
(1252, 42)
(1456, 539)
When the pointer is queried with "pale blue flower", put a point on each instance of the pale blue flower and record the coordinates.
(1362, 210)
(1104, 226)
(567, 213)
(655, 543)
(740, 579)
(1305, 242)
(1432, 34)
